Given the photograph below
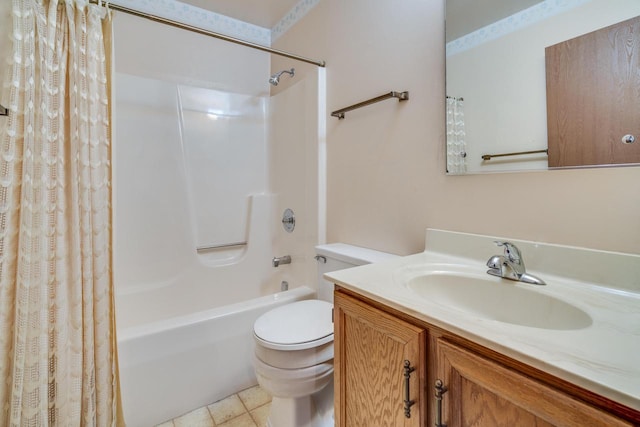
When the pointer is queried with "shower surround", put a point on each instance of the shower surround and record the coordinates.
(204, 157)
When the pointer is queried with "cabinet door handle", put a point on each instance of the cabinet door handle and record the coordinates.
(408, 403)
(440, 390)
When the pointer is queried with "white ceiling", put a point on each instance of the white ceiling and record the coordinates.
(263, 13)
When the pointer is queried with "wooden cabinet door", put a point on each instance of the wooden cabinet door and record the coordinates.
(371, 348)
(592, 97)
(483, 393)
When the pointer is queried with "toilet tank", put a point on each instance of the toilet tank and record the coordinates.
(339, 256)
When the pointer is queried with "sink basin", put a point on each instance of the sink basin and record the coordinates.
(498, 299)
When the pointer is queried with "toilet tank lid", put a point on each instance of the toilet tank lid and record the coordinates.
(299, 325)
(351, 254)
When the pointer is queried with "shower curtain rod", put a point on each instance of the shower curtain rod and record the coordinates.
(211, 34)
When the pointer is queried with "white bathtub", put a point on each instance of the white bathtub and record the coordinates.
(169, 367)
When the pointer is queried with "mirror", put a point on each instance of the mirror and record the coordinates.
(497, 75)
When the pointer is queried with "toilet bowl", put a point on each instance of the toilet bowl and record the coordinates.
(294, 383)
(294, 347)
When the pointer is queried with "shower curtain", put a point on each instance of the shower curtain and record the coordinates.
(58, 364)
(456, 145)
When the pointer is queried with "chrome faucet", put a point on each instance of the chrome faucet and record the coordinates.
(281, 260)
(511, 265)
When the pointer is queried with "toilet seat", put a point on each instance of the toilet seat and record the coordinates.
(295, 359)
(297, 326)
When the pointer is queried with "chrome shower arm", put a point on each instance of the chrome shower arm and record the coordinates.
(275, 78)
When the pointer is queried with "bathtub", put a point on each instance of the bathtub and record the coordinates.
(172, 366)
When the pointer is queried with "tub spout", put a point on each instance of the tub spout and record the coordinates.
(281, 260)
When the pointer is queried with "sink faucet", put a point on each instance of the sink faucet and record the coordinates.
(511, 265)
(281, 260)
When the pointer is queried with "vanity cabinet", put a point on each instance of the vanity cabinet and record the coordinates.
(477, 386)
(380, 367)
(482, 392)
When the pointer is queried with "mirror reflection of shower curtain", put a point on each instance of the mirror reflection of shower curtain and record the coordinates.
(456, 145)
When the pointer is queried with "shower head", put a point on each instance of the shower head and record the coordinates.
(275, 79)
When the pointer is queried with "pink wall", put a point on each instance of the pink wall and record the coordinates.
(386, 178)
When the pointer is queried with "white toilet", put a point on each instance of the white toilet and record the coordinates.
(294, 346)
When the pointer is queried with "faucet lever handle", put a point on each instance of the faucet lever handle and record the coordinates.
(495, 262)
(511, 252)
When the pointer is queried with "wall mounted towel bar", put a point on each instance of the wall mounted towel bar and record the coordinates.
(519, 153)
(3, 111)
(402, 96)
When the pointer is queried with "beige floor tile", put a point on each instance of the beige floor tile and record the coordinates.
(261, 414)
(254, 397)
(198, 418)
(226, 409)
(244, 420)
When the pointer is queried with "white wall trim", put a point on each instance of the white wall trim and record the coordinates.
(201, 18)
(510, 24)
(205, 19)
(292, 17)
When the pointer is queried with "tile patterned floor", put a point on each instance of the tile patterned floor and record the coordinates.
(248, 408)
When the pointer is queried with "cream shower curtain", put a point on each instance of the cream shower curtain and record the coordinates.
(58, 364)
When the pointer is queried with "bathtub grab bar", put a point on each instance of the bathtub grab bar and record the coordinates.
(222, 246)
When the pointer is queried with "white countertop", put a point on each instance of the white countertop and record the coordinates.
(603, 357)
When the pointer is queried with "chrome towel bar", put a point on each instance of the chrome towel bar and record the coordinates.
(402, 96)
(519, 153)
